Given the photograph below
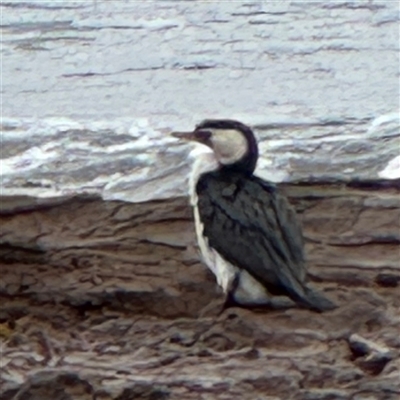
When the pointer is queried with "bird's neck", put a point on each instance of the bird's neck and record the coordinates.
(204, 162)
(245, 166)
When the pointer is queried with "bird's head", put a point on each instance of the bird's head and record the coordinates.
(233, 143)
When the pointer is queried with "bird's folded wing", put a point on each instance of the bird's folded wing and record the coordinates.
(252, 226)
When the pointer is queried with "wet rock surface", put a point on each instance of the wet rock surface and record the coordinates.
(110, 298)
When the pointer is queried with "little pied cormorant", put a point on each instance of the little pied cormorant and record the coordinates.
(246, 230)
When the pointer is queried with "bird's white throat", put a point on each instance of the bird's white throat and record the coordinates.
(204, 160)
(199, 150)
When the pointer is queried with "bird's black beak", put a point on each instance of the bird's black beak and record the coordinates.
(184, 135)
(198, 135)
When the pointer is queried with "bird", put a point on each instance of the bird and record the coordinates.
(247, 231)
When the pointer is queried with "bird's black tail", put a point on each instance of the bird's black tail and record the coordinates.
(315, 301)
(305, 296)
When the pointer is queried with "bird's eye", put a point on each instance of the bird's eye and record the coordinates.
(203, 136)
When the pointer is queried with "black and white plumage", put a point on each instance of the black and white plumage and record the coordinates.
(247, 232)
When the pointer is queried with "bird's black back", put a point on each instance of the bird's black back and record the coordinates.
(253, 227)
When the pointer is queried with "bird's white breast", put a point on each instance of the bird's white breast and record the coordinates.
(224, 272)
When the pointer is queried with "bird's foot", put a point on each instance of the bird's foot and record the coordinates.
(272, 303)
